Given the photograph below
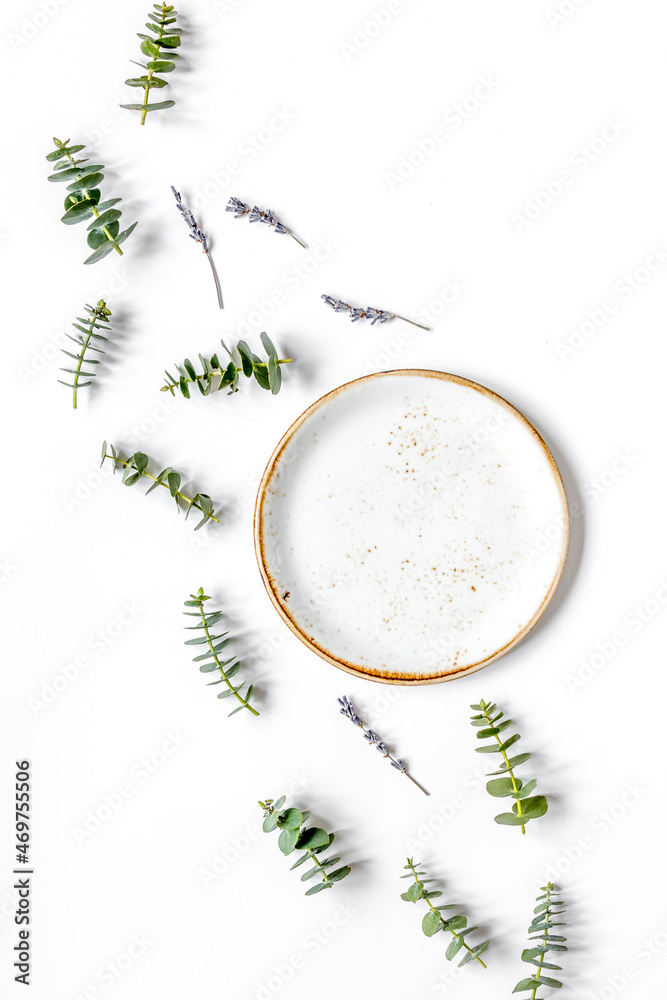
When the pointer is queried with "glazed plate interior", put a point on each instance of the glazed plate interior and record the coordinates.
(411, 527)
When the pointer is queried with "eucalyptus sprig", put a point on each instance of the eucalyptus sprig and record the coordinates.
(159, 47)
(83, 202)
(217, 374)
(541, 928)
(295, 836)
(434, 921)
(209, 661)
(526, 806)
(97, 317)
(134, 469)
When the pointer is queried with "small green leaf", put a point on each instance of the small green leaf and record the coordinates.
(455, 923)
(453, 948)
(431, 923)
(83, 183)
(339, 874)
(105, 219)
(525, 984)
(160, 66)
(415, 891)
(97, 237)
(287, 840)
(99, 254)
(275, 375)
(291, 819)
(534, 807)
(78, 212)
(500, 787)
(312, 839)
(509, 819)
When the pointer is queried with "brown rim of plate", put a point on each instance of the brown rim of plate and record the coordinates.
(388, 677)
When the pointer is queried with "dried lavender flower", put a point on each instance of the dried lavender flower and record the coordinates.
(255, 214)
(199, 236)
(348, 710)
(374, 315)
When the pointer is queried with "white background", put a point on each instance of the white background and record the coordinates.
(77, 548)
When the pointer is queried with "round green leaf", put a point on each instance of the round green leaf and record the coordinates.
(161, 66)
(160, 106)
(99, 254)
(291, 819)
(149, 48)
(97, 237)
(509, 819)
(534, 807)
(431, 923)
(105, 219)
(313, 838)
(501, 787)
(287, 840)
(415, 891)
(78, 212)
(90, 180)
(339, 874)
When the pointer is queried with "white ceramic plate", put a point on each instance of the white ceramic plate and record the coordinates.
(411, 527)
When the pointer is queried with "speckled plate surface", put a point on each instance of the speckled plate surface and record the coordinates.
(411, 527)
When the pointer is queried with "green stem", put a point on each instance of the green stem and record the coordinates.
(218, 664)
(166, 486)
(207, 376)
(507, 767)
(84, 348)
(147, 88)
(547, 915)
(112, 239)
(321, 867)
(442, 919)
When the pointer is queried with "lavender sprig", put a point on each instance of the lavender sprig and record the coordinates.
(374, 315)
(255, 214)
(199, 236)
(348, 710)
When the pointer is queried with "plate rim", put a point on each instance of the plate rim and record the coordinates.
(404, 680)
